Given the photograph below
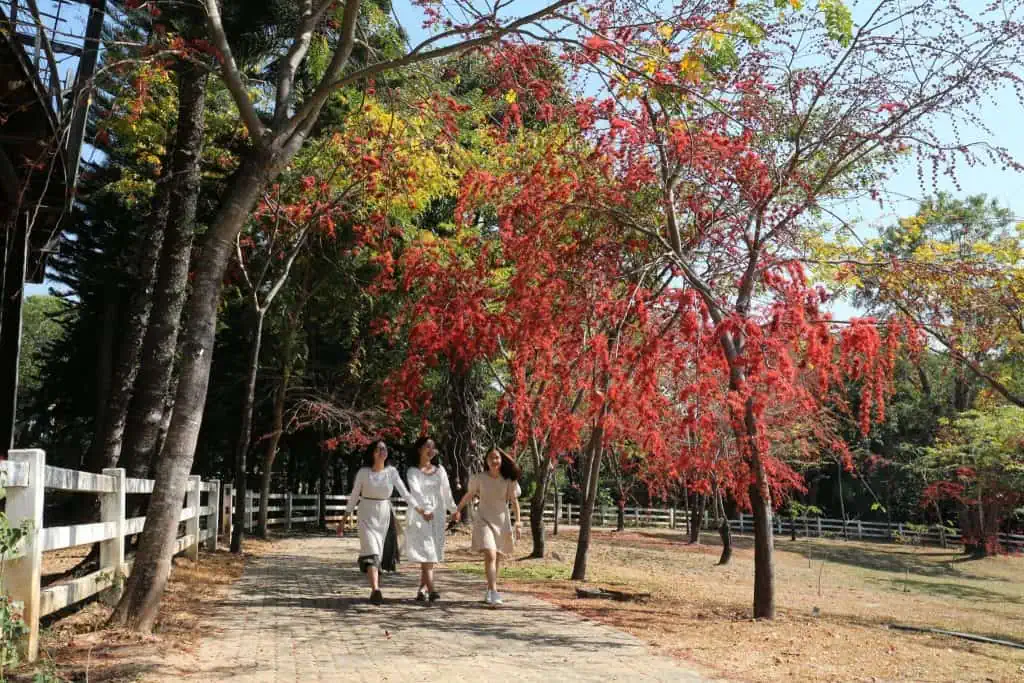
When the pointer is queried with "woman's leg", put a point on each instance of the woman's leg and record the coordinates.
(497, 570)
(424, 584)
(427, 579)
(491, 568)
(374, 578)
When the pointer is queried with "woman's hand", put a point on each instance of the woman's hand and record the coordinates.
(519, 531)
(426, 515)
(342, 525)
(456, 516)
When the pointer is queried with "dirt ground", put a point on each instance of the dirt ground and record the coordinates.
(77, 648)
(835, 600)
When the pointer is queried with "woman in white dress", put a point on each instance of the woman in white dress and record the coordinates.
(424, 536)
(493, 533)
(372, 492)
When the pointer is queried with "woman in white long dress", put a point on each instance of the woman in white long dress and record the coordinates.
(372, 492)
(424, 538)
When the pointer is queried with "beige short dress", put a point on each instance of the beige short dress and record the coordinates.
(492, 524)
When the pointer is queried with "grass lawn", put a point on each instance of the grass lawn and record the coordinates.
(834, 600)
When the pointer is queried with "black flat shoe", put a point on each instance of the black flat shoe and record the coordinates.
(421, 596)
(434, 596)
(376, 597)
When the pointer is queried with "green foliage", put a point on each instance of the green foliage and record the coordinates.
(43, 324)
(797, 510)
(988, 442)
(838, 21)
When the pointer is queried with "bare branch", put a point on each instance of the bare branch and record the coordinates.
(232, 76)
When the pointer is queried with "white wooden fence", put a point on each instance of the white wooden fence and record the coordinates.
(28, 478)
(286, 509)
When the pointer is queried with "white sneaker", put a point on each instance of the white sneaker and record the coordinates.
(496, 599)
(489, 597)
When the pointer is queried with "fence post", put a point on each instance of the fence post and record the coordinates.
(860, 531)
(213, 524)
(288, 511)
(602, 514)
(742, 530)
(192, 524)
(317, 514)
(568, 513)
(672, 518)
(637, 509)
(25, 504)
(819, 527)
(112, 551)
(900, 529)
(778, 525)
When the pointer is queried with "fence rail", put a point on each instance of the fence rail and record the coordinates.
(28, 478)
(300, 505)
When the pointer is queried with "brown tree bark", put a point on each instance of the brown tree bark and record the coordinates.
(725, 533)
(537, 503)
(764, 542)
(139, 606)
(697, 519)
(466, 428)
(149, 400)
(245, 431)
(591, 477)
(270, 450)
(105, 449)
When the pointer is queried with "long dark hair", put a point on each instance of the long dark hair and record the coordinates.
(508, 469)
(370, 450)
(416, 446)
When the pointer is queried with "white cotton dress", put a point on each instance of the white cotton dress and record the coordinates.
(424, 540)
(372, 492)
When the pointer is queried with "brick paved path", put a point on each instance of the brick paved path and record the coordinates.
(300, 613)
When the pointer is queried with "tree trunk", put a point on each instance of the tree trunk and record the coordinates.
(537, 502)
(842, 501)
(697, 520)
(466, 426)
(105, 449)
(725, 532)
(139, 606)
(245, 432)
(270, 453)
(324, 485)
(558, 511)
(149, 402)
(942, 525)
(592, 476)
(620, 516)
(764, 567)
(105, 357)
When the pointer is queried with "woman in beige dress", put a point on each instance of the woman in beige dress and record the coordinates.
(493, 533)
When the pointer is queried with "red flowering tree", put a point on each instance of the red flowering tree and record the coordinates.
(690, 209)
(744, 167)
